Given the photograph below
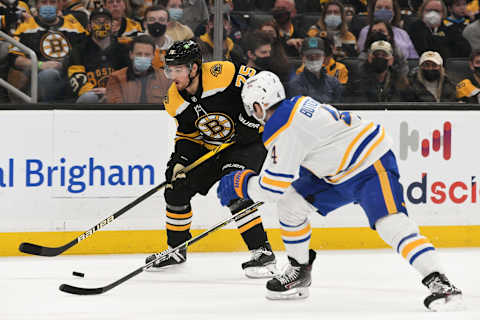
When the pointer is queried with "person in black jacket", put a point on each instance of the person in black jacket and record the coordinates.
(291, 32)
(429, 83)
(378, 81)
(429, 33)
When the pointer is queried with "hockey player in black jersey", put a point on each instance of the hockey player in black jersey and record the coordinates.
(96, 58)
(205, 101)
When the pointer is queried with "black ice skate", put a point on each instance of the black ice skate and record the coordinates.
(262, 263)
(294, 282)
(445, 296)
(174, 258)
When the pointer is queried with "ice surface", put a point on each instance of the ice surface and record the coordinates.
(357, 285)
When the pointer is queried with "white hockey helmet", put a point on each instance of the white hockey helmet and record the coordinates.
(266, 89)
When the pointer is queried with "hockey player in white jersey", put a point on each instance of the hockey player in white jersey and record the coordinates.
(320, 159)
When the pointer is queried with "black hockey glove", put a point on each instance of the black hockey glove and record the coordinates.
(176, 163)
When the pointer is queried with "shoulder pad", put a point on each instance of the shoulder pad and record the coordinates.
(174, 103)
(29, 25)
(216, 76)
(281, 119)
(134, 24)
(70, 23)
(465, 88)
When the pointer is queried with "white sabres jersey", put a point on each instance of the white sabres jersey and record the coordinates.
(333, 145)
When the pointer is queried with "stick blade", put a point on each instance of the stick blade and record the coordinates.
(80, 291)
(31, 248)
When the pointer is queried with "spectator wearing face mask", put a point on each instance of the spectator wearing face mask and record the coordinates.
(155, 23)
(290, 31)
(430, 34)
(468, 90)
(333, 68)
(258, 46)
(378, 81)
(93, 61)
(389, 11)
(381, 30)
(333, 23)
(139, 82)
(280, 62)
(51, 37)
(429, 83)
(314, 80)
(176, 30)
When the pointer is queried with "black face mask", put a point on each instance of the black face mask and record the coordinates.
(281, 16)
(477, 71)
(379, 65)
(264, 63)
(156, 29)
(376, 36)
(431, 75)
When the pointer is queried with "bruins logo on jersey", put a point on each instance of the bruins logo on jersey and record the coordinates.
(215, 126)
(54, 45)
(216, 69)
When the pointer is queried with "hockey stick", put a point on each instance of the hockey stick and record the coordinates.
(159, 256)
(39, 250)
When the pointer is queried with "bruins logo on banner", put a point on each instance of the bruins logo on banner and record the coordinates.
(54, 45)
(216, 69)
(215, 126)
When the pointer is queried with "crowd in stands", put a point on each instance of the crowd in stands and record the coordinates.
(111, 51)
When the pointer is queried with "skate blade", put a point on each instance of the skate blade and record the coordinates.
(450, 303)
(292, 294)
(164, 268)
(268, 271)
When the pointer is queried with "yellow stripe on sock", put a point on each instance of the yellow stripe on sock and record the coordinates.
(178, 228)
(179, 215)
(298, 233)
(408, 248)
(250, 225)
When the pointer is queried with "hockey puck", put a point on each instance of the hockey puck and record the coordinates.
(78, 274)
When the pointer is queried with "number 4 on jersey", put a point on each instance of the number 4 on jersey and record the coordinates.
(274, 155)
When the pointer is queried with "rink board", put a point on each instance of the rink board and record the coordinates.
(61, 172)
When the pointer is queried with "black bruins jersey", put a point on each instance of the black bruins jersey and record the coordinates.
(90, 66)
(216, 112)
(50, 42)
(468, 90)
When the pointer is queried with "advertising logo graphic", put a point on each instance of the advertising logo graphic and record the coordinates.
(412, 140)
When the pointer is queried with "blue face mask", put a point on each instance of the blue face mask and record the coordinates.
(47, 12)
(383, 15)
(333, 21)
(142, 64)
(176, 13)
